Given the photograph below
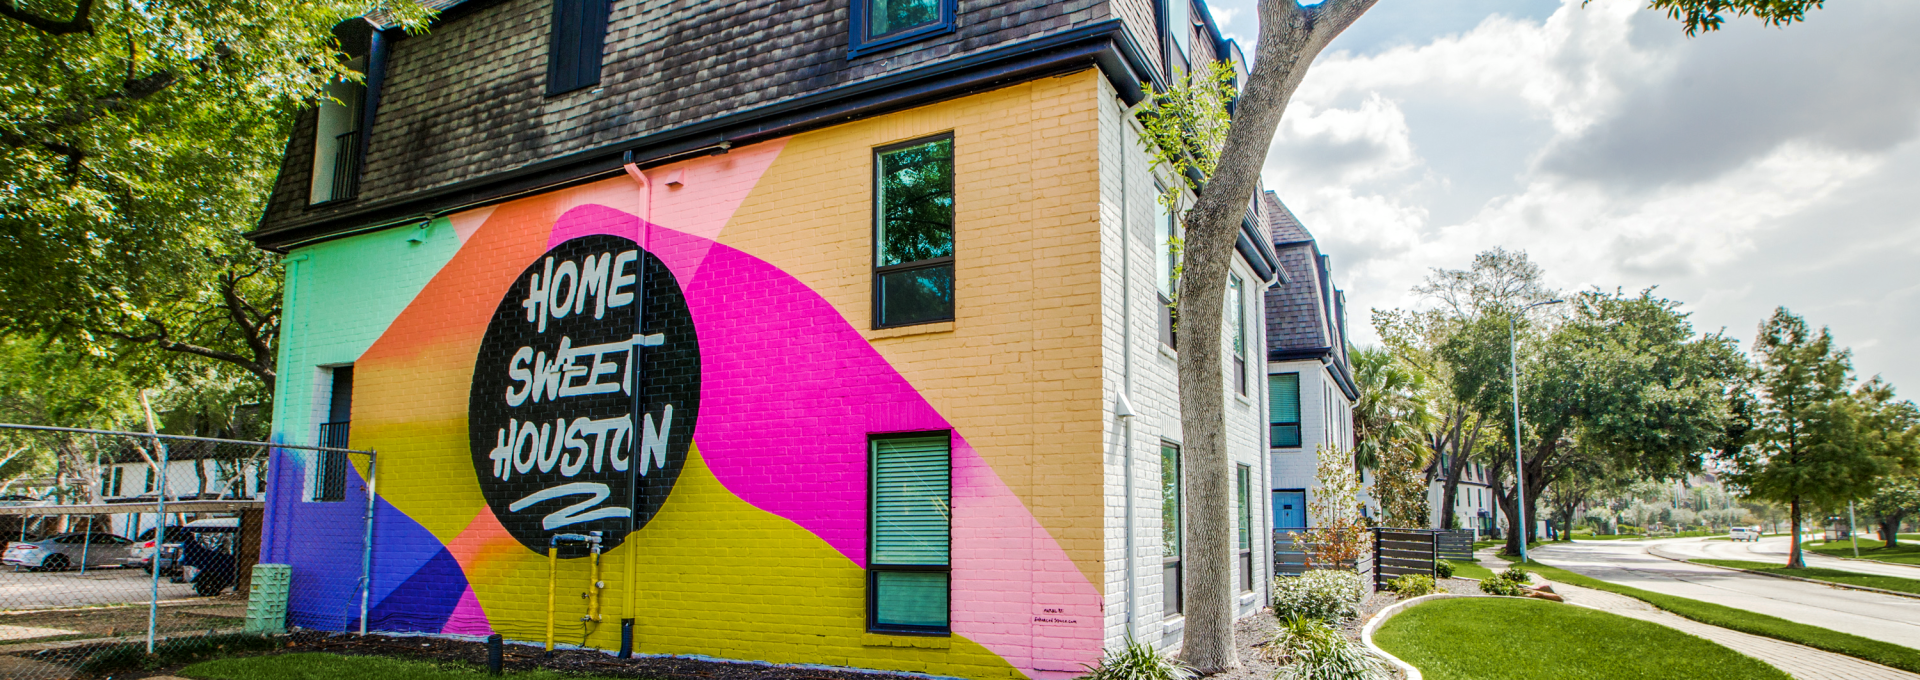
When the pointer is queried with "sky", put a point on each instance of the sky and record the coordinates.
(1737, 171)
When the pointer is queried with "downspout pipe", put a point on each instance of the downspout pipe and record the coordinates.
(377, 49)
(1126, 387)
(631, 585)
(366, 540)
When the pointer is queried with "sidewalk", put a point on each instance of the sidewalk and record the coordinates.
(1802, 662)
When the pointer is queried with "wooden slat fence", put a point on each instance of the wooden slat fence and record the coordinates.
(1399, 552)
(1455, 545)
(1290, 556)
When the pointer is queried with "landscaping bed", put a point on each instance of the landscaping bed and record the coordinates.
(1895, 583)
(1521, 639)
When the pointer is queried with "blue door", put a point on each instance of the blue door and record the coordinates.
(1289, 509)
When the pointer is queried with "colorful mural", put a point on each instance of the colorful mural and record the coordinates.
(502, 404)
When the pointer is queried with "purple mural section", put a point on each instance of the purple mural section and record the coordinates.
(416, 583)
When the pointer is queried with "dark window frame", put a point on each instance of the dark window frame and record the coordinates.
(874, 257)
(587, 25)
(1243, 486)
(860, 44)
(1173, 569)
(1273, 440)
(873, 568)
(331, 467)
(1239, 301)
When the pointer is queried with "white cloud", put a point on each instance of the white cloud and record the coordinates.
(1618, 153)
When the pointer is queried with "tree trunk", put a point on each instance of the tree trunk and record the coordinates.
(1794, 560)
(1290, 37)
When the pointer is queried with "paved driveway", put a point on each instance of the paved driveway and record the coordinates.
(1871, 615)
(25, 590)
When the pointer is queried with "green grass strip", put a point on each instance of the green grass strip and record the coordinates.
(319, 666)
(1904, 585)
(1514, 639)
(1466, 569)
(1883, 653)
(1905, 553)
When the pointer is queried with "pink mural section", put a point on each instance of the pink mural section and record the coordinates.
(790, 392)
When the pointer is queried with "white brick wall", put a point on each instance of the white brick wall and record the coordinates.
(1326, 418)
(1127, 206)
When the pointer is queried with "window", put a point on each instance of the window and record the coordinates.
(880, 24)
(574, 51)
(909, 532)
(1170, 543)
(1283, 410)
(1179, 35)
(331, 474)
(1243, 488)
(110, 484)
(1166, 260)
(336, 141)
(913, 233)
(1237, 325)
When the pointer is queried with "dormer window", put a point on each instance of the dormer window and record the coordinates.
(578, 45)
(336, 140)
(880, 24)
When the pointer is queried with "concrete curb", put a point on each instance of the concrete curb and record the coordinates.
(1830, 584)
(1366, 632)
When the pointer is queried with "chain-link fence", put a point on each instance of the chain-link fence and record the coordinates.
(117, 544)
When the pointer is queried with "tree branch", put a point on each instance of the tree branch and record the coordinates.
(82, 21)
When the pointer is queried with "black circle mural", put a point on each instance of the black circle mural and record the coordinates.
(558, 418)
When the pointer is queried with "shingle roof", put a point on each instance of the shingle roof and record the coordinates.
(1303, 313)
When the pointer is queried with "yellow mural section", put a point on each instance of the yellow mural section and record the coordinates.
(718, 578)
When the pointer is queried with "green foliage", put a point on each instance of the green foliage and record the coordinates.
(1326, 594)
(1338, 537)
(1705, 15)
(1138, 661)
(1412, 585)
(1497, 639)
(1512, 583)
(173, 652)
(1388, 421)
(1186, 124)
(1312, 649)
(1883, 653)
(1443, 568)
(137, 140)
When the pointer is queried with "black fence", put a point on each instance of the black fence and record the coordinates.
(1290, 556)
(1454, 545)
(1401, 552)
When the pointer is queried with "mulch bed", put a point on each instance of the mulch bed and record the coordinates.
(1251, 634)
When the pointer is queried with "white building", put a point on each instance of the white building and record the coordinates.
(1309, 377)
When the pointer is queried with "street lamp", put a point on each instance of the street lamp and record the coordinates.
(1519, 474)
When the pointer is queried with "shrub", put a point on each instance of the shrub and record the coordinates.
(1138, 661)
(1312, 649)
(1324, 594)
(1511, 582)
(1412, 585)
(1501, 586)
(1443, 569)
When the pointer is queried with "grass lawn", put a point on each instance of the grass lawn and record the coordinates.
(1905, 553)
(317, 666)
(1470, 570)
(1883, 653)
(1905, 585)
(1501, 639)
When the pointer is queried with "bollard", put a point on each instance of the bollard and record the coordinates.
(494, 654)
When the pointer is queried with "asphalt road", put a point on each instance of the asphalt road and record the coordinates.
(1774, 549)
(1887, 618)
(25, 590)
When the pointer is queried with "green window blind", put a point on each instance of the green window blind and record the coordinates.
(910, 500)
(911, 515)
(1283, 409)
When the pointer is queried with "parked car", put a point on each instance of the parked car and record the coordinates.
(1744, 534)
(66, 550)
(205, 555)
(143, 548)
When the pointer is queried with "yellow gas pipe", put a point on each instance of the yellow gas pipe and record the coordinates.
(553, 577)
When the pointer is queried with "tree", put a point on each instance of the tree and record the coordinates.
(1388, 423)
(1623, 374)
(1806, 446)
(1706, 15)
(1896, 499)
(1337, 538)
(136, 142)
